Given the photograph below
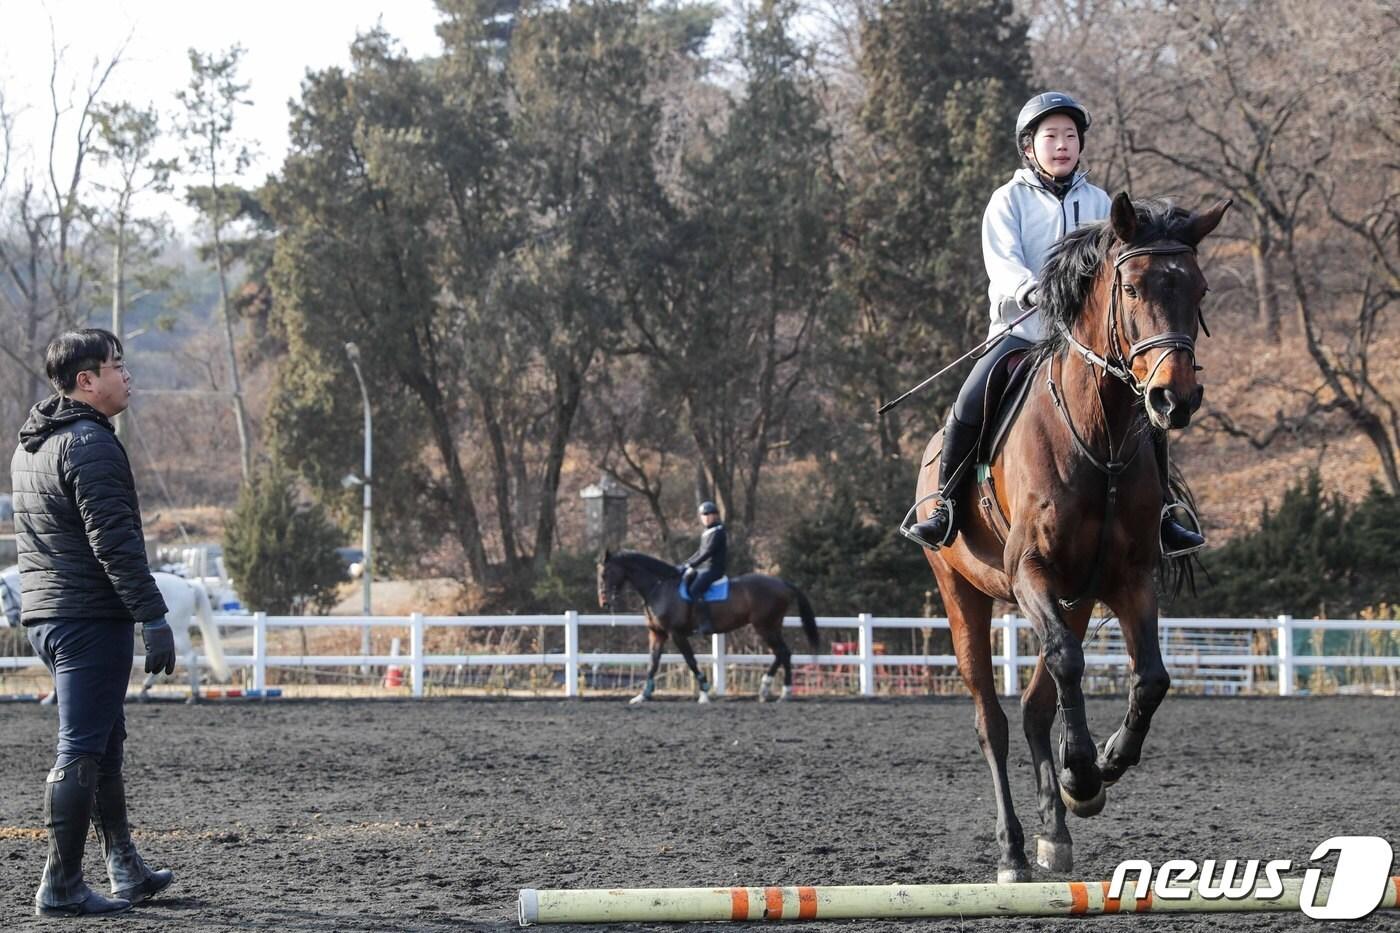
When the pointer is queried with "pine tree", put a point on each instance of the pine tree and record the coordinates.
(280, 552)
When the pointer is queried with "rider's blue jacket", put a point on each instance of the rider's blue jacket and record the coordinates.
(1022, 223)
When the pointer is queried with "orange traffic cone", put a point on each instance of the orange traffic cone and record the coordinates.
(393, 676)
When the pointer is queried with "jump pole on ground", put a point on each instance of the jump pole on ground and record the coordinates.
(1036, 899)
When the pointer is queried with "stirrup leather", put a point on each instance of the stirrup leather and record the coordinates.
(911, 519)
(1175, 511)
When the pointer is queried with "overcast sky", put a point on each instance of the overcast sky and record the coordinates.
(282, 39)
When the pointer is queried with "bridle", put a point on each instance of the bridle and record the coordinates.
(1115, 363)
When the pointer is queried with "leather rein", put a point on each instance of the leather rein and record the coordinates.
(1116, 364)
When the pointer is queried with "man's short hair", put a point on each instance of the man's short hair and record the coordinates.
(78, 351)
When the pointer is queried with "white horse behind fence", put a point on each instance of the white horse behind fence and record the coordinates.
(188, 604)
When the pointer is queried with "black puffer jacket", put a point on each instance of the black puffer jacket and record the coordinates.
(82, 553)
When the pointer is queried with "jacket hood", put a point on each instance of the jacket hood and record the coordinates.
(53, 413)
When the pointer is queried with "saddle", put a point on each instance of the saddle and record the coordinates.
(716, 592)
(1007, 389)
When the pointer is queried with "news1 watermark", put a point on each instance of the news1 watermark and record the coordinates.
(1355, 886)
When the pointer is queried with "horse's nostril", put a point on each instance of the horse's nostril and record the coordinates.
(1163, 400)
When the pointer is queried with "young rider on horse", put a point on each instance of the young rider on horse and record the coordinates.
(706, 565)
(1046, 198)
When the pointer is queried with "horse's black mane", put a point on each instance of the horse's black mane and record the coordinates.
(1069, 273)
(655, 564)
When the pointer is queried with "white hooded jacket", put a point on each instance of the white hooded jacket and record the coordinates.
(1022, 223)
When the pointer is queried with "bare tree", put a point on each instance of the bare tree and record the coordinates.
(45, 249)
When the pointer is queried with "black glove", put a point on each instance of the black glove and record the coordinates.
(160, 646)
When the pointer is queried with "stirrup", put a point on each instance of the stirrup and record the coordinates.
(911, 519)
(1170, 511)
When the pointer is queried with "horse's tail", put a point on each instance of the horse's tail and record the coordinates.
(809, 618)
(213, 643)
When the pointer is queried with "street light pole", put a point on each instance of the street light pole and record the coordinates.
(367, 536)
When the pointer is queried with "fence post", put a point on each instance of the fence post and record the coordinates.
(415, 650)
(260, 652)
(571, 653)
(718, 684)
(1010, 651)
(867, 656)
(1285, 656)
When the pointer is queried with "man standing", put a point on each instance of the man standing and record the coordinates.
(706, 565)
(84, 582)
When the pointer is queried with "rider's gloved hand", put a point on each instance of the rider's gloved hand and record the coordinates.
(160, 646)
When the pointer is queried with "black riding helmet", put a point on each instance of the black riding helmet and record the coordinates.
(708, 508)
(1038, 108)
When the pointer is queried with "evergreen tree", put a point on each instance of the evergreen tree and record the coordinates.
(280, 552)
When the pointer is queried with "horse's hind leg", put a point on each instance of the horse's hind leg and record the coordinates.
(970, 617)
(1137, 615)
(765, 686)
(1053, 849)
(782, 657)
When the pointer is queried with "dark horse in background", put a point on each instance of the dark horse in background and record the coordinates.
(1075, 503)
(754, 599)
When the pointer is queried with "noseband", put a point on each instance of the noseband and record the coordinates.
(1115, 363)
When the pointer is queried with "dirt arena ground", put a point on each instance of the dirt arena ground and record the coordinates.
(427, 816)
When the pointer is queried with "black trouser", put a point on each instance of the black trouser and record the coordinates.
(972, 397)
(698, 581)
(91, 666)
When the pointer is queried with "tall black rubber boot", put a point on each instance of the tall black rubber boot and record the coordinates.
(132, 879)
(68, 797)
(940, 528)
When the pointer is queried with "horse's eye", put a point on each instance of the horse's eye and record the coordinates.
(1132, 292)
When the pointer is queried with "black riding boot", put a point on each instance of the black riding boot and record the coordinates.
(1176, 538)
(940, 528)
(707, 623)
(132, 879)
(68, 796)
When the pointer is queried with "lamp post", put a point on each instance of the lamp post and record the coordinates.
(367, 536)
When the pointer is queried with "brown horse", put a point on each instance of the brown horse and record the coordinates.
(754, 599)
(1078, 482)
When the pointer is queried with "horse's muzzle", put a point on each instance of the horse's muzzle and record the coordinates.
(1170, 411)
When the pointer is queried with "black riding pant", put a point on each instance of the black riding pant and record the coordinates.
(972, 397)
(697, 585)
(91, 666)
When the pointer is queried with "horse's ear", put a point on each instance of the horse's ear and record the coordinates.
(1123, 217)
(1202, 224)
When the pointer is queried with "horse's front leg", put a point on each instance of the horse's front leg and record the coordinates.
(1137, 615)
(1081, 784)
(1054, 850)
(658, 641)
(683, 642)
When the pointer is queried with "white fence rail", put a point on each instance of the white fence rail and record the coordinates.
(1007, 655)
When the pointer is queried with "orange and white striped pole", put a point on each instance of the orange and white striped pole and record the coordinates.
(1035, 899)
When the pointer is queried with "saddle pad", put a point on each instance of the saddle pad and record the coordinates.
(717, 593)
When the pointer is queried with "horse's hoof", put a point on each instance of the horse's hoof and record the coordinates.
(639, 698)
(787, 694)
(1013, 875)
(763, 698)
(1085, 808)
(704, 698)
(1054, 856)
